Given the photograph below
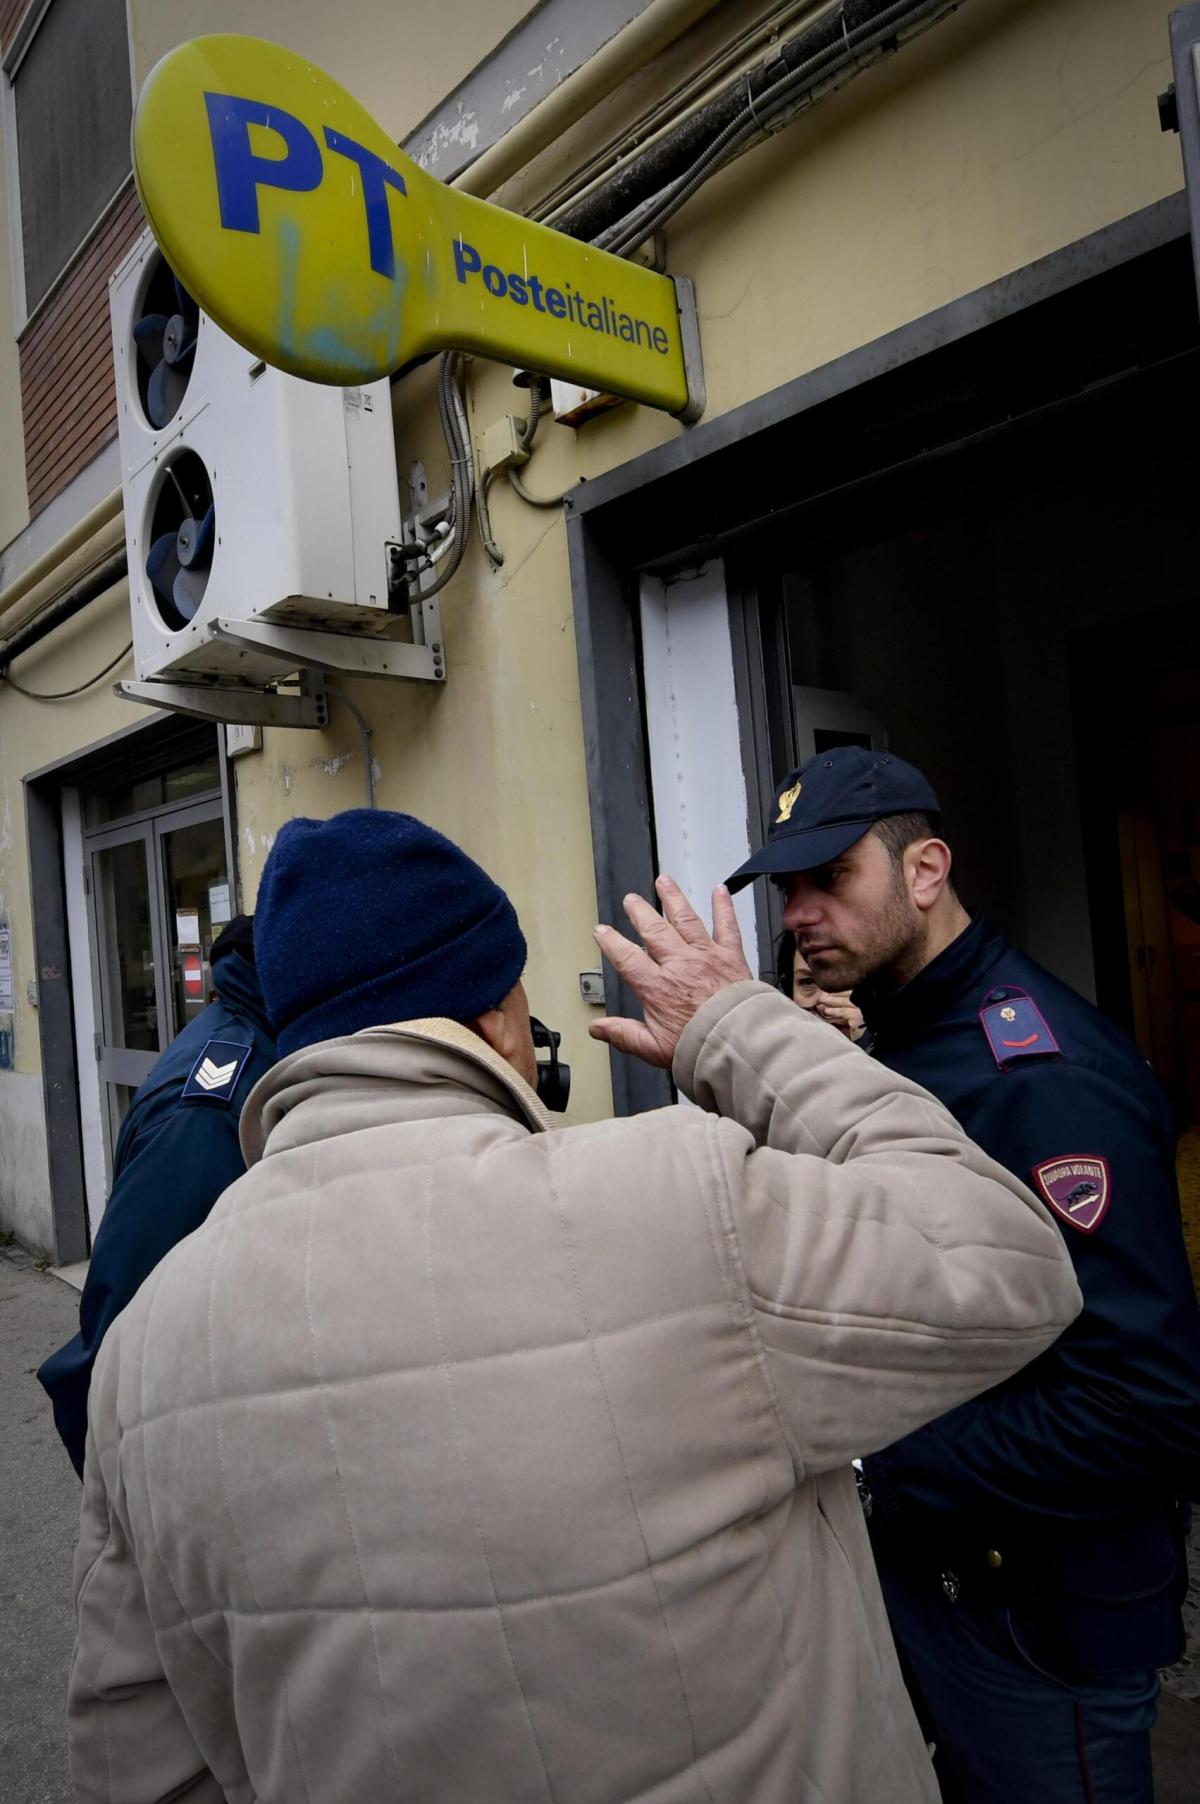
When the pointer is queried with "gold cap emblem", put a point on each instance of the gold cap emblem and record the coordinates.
(787, 802)
(1008, 1014)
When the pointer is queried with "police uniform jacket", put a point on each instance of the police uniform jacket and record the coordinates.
(176, 1152)
(1060, 1489)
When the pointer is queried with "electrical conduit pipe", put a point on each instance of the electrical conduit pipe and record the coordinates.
(84, 546)
(658, 25)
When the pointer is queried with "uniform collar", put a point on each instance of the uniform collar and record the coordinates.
(236, 983)
(945, 981)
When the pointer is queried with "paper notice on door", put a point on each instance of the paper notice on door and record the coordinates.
(6, 971)
(218, 904)
(187, 927)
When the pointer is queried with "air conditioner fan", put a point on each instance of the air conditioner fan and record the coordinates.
(165, 336)
(183, 526)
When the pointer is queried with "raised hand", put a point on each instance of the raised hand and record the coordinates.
(678, 966)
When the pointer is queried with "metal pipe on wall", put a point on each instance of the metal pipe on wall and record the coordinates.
(89, 587)
(658, 25)
(45, 569)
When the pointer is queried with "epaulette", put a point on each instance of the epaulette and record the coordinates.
(1016, 1028)
(214, 1076)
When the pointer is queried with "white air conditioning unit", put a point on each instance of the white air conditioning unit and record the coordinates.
(252, 499)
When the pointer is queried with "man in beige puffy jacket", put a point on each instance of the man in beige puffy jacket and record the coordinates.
(455, 1460)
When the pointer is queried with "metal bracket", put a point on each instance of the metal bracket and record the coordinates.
(422, 662)
(233, 705)
(427, 514)
(418, 486)
(693, 362)
(310, 653)
(425, 528)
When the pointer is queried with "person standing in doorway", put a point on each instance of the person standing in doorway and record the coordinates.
(1030, 1542)
(795, 979)
(176, 1152)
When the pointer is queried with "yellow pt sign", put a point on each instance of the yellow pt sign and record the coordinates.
(309, 237)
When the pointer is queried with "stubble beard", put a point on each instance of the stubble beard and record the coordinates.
(888, 946)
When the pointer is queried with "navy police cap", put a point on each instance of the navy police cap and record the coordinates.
(829, 803)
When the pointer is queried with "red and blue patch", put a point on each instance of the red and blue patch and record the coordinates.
(1016, 1029)
(1078, 1189)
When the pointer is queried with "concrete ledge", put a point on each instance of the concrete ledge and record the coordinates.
(73, 1275)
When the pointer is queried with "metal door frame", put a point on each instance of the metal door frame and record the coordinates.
(161, 740)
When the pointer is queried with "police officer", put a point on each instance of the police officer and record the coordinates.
(1030, 1543)
(176, 1152)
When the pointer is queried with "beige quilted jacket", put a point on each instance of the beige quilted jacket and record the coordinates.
(455, 1461)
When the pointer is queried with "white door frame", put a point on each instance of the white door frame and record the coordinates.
(698, 784)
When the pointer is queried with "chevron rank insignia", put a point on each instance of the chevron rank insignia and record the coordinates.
(214, 1076)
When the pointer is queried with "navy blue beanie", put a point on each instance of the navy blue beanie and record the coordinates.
(373, 917)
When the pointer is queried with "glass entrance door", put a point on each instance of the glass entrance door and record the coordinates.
(161, 894)
(130, 958)
(191, 858)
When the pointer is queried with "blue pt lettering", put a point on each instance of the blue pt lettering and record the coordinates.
(377, 178)
(240, 173)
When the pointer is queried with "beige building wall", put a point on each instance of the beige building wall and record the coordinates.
(400, 61)
(1012, 129)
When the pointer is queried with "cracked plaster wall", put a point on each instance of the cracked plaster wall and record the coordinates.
(557, 38)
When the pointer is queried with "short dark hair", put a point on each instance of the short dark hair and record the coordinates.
(237, 936)
(899, 831)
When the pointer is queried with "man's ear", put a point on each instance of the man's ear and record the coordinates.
(493, 1027)
(927, 870)
(507, 1031)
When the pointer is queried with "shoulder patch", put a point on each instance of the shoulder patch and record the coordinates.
(214, 1076)
(1016, 1028)
(1078, 1189)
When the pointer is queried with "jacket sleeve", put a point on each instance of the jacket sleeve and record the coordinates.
(893, 1268)
(173, 1173)
(1114, 1408)
(129, 1743)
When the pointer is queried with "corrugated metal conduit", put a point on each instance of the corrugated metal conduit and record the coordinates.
(628, 206)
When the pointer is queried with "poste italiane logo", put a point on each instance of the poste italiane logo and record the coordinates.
(303, 230)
